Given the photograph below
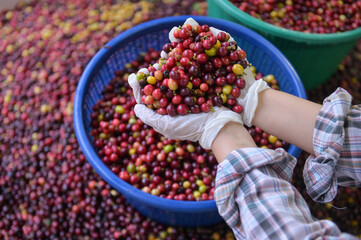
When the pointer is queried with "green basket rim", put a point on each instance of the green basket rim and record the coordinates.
(286, 33)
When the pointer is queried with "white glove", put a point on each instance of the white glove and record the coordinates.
(133, 82)
(249, 95)
(202, 127)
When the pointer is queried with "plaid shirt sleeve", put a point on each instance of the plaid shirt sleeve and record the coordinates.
(337, 147)
(254, 184)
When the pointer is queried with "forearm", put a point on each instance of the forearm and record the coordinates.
(232, 136)
(288, 117)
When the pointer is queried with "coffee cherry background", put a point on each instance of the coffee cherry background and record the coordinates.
(312, 16)
(47, 188)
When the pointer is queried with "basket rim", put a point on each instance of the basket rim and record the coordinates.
(351, 35)
(100, 59)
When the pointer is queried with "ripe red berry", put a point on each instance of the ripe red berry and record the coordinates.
(241, 83)
(205, 107)
(176, 33)
(223, 51)
(217, 62)
(189, 101)
(242, 54)
(226, 61)
(221, 36)
(184, 61)
(149, 100)
(217, 101)
(201, 100)
(184, 33)
(197, 29)
(124, 175)
(204, 87)
(231, 101)
(186, 43)
(188, 54)
(157, 94)
(237, 108)
(187, 26)
(171, 110)
(231, 78)
(234, 56)
(180, 46)
(213, 40)
(207, 44)
(202, 58)
(195, 109)
(170, 62)
(205, 28)
(196, 82)
(174, 74)
(182, 109)
(236, 92)
(194, 71)
(221, 81)
(218, 89)
(148, 90)
(177, 99)
(183, 81)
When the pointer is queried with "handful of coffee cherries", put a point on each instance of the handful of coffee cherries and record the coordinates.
(202, 67)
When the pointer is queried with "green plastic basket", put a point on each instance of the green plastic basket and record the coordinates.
(314, 56)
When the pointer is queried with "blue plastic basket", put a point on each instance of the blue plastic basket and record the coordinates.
(125, 48)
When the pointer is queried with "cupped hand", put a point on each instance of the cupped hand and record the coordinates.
(249, 94)
(202, 127)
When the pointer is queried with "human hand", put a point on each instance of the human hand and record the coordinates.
(202, 127)
(248, 99)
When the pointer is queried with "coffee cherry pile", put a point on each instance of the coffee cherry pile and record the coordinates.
(48, 190)
(180, 170)
(347, 76)
(201, 70)
(321, 16)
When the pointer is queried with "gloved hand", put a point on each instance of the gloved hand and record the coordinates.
(249, 95)
(133, 82)
(202, 127)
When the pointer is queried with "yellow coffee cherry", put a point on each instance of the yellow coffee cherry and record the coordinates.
(151, 80)
(190, 85)
(272, 139)
(217, 45)
(237, 69)
(211, 52)
(224, 97)
(227, 89)
(269, 78)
